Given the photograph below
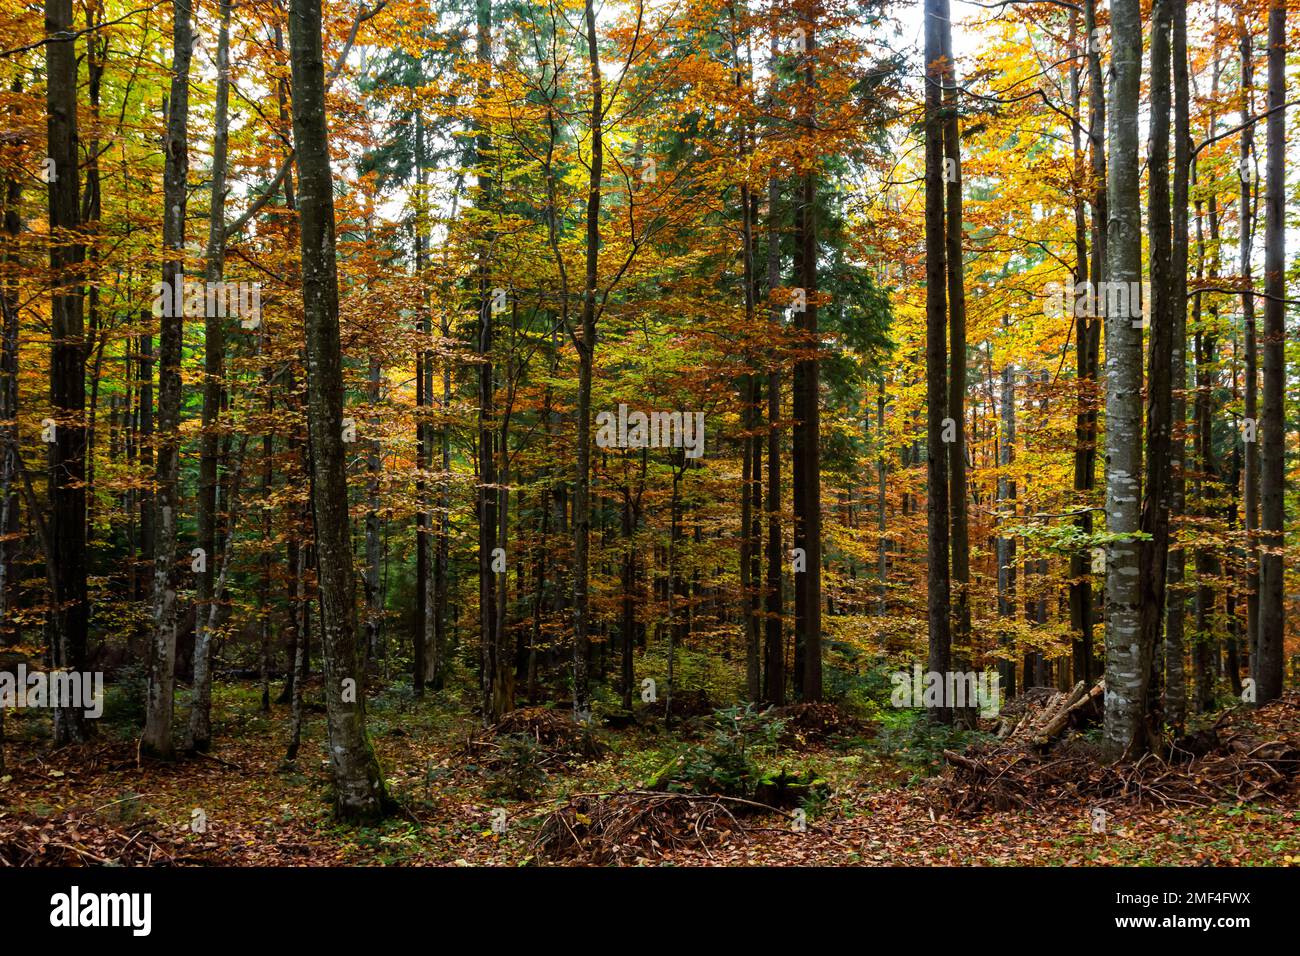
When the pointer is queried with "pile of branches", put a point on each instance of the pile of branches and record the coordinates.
(628, 826)
(76, 839)
(1040, 714)
(554, 732)
(1255, 758)
(814, 721)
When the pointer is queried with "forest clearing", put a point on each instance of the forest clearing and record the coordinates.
(648, 433)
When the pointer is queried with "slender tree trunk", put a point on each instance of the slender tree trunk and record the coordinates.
(586, 345)
(486, 492)
(423, 453)
(1006, 546)
(882, 573)
(374, 544)
(359, 786)
(8, 410)
(298, 656)
(1096, 275)
(1155, 503)
(1250, 478)
(199, 734)
(1085, 439)
(158, 721)
(806, 460)
(1175, 692)
(9, 302)
(773, 638)
(938, 601)
(1267, 663)
(953, 225)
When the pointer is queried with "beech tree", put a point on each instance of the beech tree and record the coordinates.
(359, 786)
(1128, 656)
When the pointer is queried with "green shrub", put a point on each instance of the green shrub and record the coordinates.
(516, 772)
(728, 762)
(126, 699)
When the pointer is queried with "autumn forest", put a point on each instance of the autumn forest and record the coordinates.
(649, 432)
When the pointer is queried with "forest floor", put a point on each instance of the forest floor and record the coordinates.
(100, 803)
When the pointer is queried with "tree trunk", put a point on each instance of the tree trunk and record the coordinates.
(199, 734)
(960, 534)
(806, 458)
(1250, 477)
(374, 544)
(1175, 692)
(158, 721)
(586, 346)
(359, 786)
(773, 638)
(1155, 503)
(1128, 661)
(1006, 546)
(68, 621)
(938, 601)
(1267, 663)
(9, 303)
(1085, 437)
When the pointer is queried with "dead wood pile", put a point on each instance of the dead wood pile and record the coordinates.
(812, 722)
(556, 733)
(1246, 757)
(627, 826)
(1040, 714)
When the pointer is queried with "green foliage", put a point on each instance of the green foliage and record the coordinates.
(728, 762)
(517, 772)
(916, 742)
(864, 690)
(125, 700)
(1069, 539)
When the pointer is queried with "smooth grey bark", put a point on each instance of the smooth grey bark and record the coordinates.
(1267, 662)
(938, 600)
(1128, 662)
(199, 733)
(160, 705)
(359, 785)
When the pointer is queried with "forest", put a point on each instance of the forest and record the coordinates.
(649, 432)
